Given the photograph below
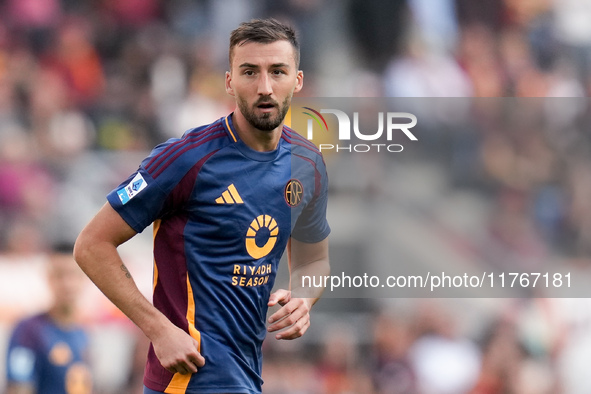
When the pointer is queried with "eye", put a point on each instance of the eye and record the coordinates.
(278, 72)
(248, 72)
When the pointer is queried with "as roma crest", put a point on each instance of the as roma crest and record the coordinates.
(294, 192)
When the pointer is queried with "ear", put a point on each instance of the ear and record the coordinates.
(299, 81)
(229, 88)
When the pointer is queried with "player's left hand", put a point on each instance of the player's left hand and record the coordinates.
(293, 316)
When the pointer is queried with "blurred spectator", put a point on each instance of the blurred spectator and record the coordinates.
(391, 370)
(76, 59)
(286, 372)
(47, 353)
(338, 368)
(501, 357)
(378, 28)
(513, 243)
(444, 361)
(205, 102)
(33, 20)
(420, 73)
(26, 191)
(423, 71)
(477, 55)
(436, 22)
(578, 180)
(574, 35)
(132, 14)
(488, 13)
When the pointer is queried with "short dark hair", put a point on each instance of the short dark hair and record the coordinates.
(264, 31)
(64, 247)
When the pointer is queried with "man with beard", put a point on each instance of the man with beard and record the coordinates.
(226, 200)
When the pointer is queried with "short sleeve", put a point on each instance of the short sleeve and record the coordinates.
(312, 225)
(139, 199)
(165, 179)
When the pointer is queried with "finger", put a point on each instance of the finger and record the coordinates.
(300, 314)
(171, 369)
(281, 296)
(190, 366)
(179, 368)
(296, 306)
(285, 310)
(295, 331)
(288, 321)
(197, 359)
(284, 320)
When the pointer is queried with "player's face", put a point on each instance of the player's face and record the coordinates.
(65, 280)
(263, 79)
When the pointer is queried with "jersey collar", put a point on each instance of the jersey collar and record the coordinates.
(245, 149)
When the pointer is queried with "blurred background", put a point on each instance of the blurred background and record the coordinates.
(87, 88)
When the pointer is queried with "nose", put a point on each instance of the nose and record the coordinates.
(264, 85)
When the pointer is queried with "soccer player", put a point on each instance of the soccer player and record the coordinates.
(225, 201)
(47, 352)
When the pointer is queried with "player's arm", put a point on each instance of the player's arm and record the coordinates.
(96, 253)
(306, 259)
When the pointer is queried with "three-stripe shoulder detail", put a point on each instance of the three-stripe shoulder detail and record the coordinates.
(294, 138)
(191, 140)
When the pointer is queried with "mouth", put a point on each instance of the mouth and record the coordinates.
(266, 106)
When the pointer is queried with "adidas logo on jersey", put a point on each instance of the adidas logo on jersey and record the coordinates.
(230, 196)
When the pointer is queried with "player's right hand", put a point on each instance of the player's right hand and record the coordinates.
(177, 351)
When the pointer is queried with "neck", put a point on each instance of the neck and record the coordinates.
(63, 315)
(258, 140)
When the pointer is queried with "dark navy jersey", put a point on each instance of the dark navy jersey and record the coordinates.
(223, 214)
(50, 358)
